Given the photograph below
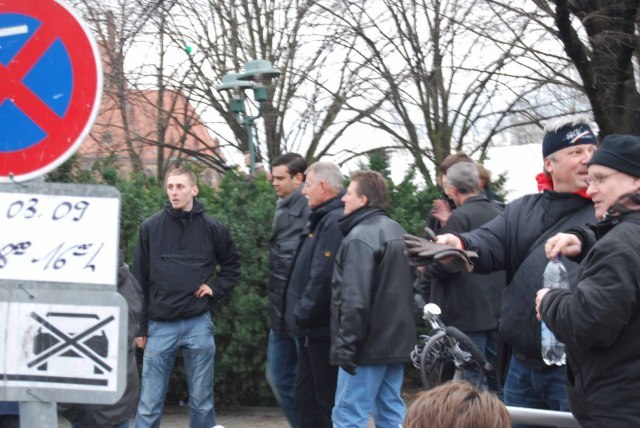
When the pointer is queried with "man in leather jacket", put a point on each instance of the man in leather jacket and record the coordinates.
(292, 213)
(372, 316)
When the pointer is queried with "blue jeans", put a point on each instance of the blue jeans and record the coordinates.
(282, 366)
(195, 337)
(487, 343)
(374, 389)
(535, 388)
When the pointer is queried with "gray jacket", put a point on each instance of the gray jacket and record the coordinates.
(289, 220)
(469, 301)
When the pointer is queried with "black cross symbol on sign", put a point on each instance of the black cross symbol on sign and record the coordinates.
(70, 342)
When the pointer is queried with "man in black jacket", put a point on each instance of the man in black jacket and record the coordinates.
(372, 323)
(470, 301)
(292, 212)
(599, 321)
(514, 242)
(309, 295)
(178, 251)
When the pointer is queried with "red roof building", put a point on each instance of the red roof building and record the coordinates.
(155, 131)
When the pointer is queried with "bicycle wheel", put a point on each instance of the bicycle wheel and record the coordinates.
(431, 356)
(479, 360)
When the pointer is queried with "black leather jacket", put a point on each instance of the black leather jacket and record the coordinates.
(289, 220)
(372, 312)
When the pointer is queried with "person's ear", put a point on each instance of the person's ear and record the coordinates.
(548, 166)
(194, 191)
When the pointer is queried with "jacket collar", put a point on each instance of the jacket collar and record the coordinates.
(352, 220)
(291, 199)
(321, 210)
(545, 183)
(626, 208)
(198, 208)
(476, 198)
(627, 203)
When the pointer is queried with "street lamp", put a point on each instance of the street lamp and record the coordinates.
(257, 75)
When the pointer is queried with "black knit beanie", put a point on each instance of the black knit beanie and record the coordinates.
(619, 152)
(569, 135)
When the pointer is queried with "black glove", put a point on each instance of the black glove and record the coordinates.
(429, 235)
(349, 367)
(423, 252)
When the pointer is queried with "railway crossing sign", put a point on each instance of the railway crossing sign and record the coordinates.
(51, 88)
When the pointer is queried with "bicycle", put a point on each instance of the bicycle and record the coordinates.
(446, 352)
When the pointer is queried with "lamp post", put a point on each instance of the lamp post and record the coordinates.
(256, 75)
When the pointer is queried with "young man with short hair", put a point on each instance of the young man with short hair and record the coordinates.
(178, 250)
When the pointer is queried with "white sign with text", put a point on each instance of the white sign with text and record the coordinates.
(59, 238)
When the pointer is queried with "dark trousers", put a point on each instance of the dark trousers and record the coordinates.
(316, 382)
(9, 421)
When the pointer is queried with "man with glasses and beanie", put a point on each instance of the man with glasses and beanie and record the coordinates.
(514, 242)
(599, 321)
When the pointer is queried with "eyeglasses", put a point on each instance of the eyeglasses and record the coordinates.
(598, 179)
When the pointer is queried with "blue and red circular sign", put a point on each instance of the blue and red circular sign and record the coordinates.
(50, 86)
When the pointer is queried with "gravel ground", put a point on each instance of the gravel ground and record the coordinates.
(242, 417)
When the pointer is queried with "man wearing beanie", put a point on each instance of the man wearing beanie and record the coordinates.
(599, 321)
(514, 242)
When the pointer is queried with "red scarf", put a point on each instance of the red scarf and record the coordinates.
(545, 183)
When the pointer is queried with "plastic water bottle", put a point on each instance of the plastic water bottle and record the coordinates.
(555, 276)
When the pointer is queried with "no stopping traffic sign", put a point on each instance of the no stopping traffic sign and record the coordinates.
(50, 86)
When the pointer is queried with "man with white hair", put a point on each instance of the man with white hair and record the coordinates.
(470, 301)
(308, 295)
(514, 242)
